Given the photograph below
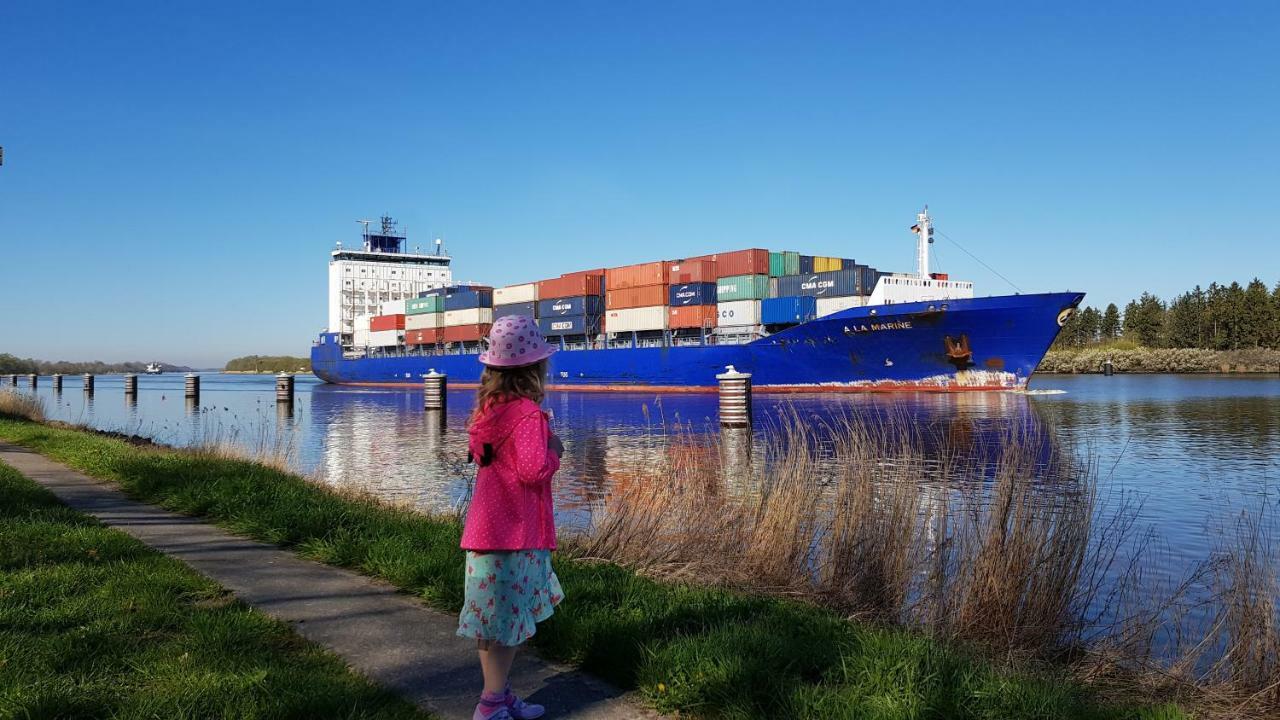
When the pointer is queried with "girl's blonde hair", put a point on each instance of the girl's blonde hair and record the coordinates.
(502, 384)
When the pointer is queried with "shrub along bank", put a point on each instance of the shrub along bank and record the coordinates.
(1138, 359)
(704, 652)
(95, 624)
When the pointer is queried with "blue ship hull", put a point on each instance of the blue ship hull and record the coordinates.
(992, 343)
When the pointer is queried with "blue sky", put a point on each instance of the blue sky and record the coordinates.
(175, 173)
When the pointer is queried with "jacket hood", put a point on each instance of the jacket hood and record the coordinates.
(499, 421)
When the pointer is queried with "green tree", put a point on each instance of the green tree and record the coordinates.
(1258, 320)
(1186, 320)
(1109, 327)
(1144, 320)
(1090, 326)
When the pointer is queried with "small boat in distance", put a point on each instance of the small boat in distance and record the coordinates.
(154, 369)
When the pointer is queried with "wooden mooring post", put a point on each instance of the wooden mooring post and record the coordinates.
(33, 381)
(191, 387)
(435, 391)
(131, 384)
(1108, 368)
(735, 398)
(57, 382)
(284, 388)
(88, 383)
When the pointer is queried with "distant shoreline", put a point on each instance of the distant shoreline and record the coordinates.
(1161, 361)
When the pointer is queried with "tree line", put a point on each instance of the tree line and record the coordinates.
(1222, 317)
(268, 363)
(11, 365)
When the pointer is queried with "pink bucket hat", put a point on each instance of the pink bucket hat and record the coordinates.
(515, 341)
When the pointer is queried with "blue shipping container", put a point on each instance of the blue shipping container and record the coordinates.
(579, 305)
(692, 294)
(838, 283)
(467, 299)
(788, 310)
(806, 264)
(847, 264)
(528, 309)
(437, 291)
(569, 325)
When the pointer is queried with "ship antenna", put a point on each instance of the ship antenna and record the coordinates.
(924, 238)
(365, 223)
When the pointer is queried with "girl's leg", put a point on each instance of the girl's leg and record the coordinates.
(495, 662)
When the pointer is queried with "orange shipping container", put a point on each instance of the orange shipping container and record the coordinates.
(692, 271)
(653, 273)
(386, 322)
(427, 336)
(587, 282)
(464, 333)
(739, 262)
(636, 297)
(692, 316)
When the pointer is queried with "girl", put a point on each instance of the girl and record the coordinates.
(509, 533)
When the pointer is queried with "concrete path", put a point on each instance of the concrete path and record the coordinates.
(384, 635)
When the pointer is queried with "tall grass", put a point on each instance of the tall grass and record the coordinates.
(1000, 539)
(22, 405)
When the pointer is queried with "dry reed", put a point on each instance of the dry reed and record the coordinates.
(22, 405)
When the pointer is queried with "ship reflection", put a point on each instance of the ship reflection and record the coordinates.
(382, 442)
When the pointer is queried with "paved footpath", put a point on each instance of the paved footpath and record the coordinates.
(383, 634)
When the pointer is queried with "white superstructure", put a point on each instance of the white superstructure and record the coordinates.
(921, 285)
(380, 272)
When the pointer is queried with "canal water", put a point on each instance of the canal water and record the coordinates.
(1194, 450)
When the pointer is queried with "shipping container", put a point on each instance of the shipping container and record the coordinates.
(827, 284)
(572, 285)
(437, 292)
(426, 336)
(790, 263)
(464, 333)
(692, 271)
(528, 309)
(468, 299)
(828, 305)
(362, 322)
(822, 264)
(739, 262)
(738, 313)
(391, 307)
(742, 287)
(360, 338)
(703, 293)
(631, 276)
(692, 316)
(940, 276)
(806, 265)
(512, 294)
(773, 287)
(386, 322)
(635, 297)
(569, 325)
(423, 321)
(848, 264)
(777, 265)
(473, 316)
(581, 305)
(788, 310)
(869, 277)
(637, 319)
(428, 304)
(384, 338)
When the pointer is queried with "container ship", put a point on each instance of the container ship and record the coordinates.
(796, 323)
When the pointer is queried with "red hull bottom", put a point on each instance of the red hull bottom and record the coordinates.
(895, 387)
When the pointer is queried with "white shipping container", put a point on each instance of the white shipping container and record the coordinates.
(738, 313)
(392, 307)
(653, 317)
(423, 321)
(360, 338)
(512, 294)
(362, 322)
(828, 305)
(385, 338)
(473, 316)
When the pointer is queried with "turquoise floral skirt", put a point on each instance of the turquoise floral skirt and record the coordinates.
(507, 594)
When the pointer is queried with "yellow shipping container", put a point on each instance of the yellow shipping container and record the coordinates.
(826, 264)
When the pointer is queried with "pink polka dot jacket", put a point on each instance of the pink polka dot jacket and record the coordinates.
(511, 503)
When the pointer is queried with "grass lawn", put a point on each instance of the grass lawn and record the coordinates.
(704, 652)
(95, 624)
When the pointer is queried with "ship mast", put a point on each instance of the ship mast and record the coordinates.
(924, 238)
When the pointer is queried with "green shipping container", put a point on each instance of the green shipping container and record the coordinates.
(776, 265)
(742, 287)
(790, 263)
(429, 304)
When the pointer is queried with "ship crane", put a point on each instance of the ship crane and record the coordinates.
(924, 238)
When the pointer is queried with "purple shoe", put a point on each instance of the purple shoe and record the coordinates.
(500, 714)
(521, 710)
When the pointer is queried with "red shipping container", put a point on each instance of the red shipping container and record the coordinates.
(692, 271)
(630, 276)
(636, 297)
(426, 336)
(465, 333)
(739, 262)
(692, 316)
(587, 282)
(386, 322)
